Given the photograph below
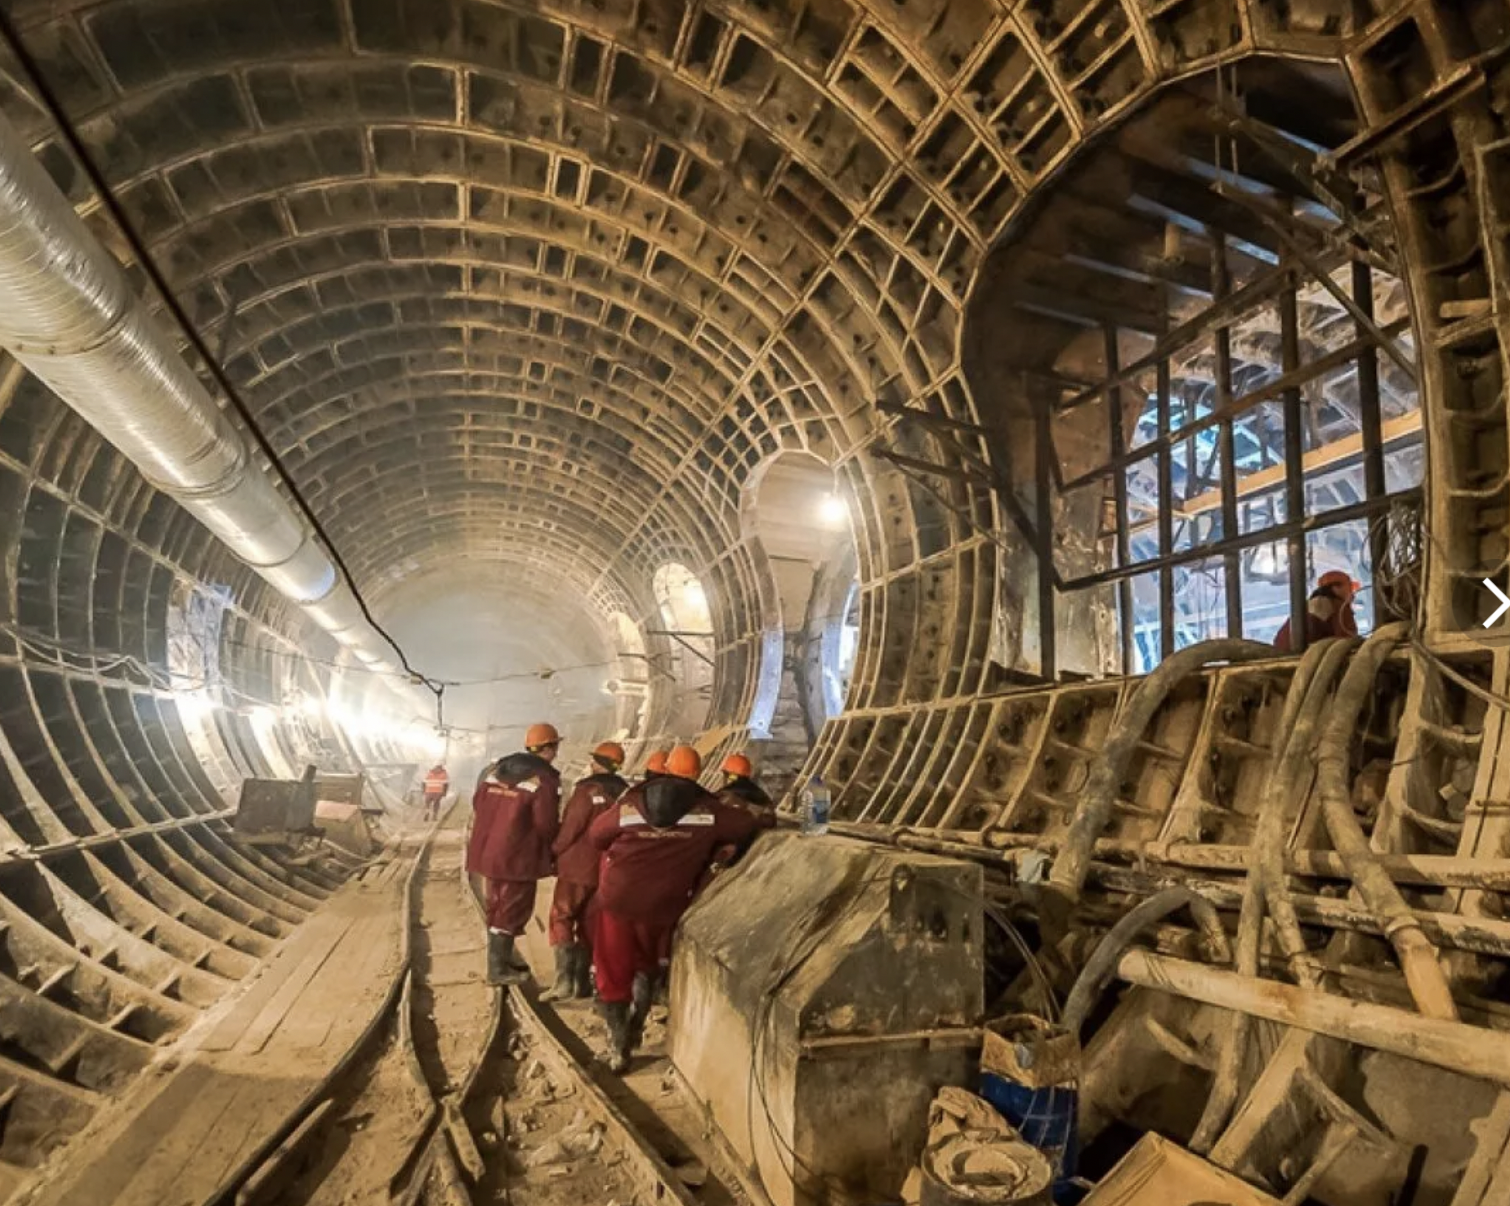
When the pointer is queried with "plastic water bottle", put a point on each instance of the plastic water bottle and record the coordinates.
(815, 806)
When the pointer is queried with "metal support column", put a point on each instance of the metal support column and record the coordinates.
(1371, 425)
(1116, 443)
(1044, 526)
(1295, 495)
(1232, 562)
(1166, 507)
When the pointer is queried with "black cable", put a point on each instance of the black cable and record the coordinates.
(102, 187)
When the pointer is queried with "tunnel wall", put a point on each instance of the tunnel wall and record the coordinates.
(931, 581)
(127, 904)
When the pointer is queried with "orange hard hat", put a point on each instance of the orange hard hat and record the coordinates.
(737, 764)
(609, 751)
(684, 762)
(1340, 578)
(541, 734)
(656, 763)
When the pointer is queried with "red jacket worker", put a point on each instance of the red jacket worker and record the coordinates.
(656, 845)
(1329, 612)
(577, 872)
(513, 825)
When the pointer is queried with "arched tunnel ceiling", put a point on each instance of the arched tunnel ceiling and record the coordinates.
(543, 284)
(501, 283)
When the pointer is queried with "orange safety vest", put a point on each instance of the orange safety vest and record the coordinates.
(436, 783)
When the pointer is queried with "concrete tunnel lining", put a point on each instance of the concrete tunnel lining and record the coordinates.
(535, 291)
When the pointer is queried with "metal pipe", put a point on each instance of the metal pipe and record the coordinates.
(1470, 1050)
(70, 316)
(1479, 935)
(1101, 966)
(1418, 957)
(1004, 850)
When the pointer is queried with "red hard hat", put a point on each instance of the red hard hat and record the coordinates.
(737, 764)
(684, 762)
(656, 763)
(609, 751)
(541, 734)
(1340, 578)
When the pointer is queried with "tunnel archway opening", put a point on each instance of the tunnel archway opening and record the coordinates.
(1197, 346)
(685, 635)
(800, 522)
(631, 683)
(512, 651)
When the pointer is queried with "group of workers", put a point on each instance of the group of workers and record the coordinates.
(628, 860)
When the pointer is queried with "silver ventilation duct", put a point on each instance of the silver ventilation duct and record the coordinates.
(69, 315)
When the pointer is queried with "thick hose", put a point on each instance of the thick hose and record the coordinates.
(1102, 965)
(1418, 957)
(1284, 794)
(1227, 1079)
(1072, 865)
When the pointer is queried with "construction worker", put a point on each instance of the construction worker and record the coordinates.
(655, 765)
(656, 845)
(437, 783)
(514, 823)
(739, 788)
(1329, 611)
(577, 873)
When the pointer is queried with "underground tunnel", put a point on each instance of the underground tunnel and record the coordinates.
(1060, 444)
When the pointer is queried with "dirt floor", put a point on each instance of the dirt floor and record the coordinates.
(456, 1048)
(648, 1094)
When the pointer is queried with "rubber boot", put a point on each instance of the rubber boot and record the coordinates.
(517, 961)
(582, 973)
(639, 1008)
(564, 985)
(616, 1016)
(501, 969)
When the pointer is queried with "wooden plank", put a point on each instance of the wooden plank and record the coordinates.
(1490, 1157)
(1317, 459)
(265, 1062)
(294, 965)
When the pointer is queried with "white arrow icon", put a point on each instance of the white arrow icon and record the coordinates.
(1504, 602)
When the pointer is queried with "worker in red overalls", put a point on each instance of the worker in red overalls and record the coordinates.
(738, 790)
(656, 845)
(514, 823)
(739, 787)
(437, 783)
(577, 873)
(1329, 612)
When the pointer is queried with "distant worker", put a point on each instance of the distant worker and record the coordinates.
(656, 845)
(740, 789)
(577, 873)
(1329, 611)
(514, 823)
(437, 783)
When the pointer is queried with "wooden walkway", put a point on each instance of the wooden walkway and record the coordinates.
(187, 1133)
